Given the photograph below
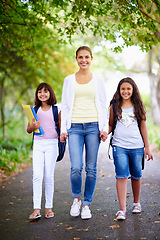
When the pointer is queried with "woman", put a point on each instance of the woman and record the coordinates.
(84, 123)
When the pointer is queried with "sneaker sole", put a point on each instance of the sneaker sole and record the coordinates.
(136, 212)
(74, 214)
(122, 218)
(86, 217)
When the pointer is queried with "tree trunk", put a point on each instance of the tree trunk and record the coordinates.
(154, 84)
(2, 107)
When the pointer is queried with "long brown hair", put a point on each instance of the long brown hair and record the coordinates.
(139, 109)
(51, 101)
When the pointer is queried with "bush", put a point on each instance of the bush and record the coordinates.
(13, 152)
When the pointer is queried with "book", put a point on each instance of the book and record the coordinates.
(30, 113)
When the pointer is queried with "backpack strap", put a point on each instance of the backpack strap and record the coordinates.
(55, 115)
(114, 117)
(114, 126)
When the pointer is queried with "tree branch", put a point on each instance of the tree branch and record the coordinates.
(24, 24)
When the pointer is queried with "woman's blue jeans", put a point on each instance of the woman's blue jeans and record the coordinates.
(80, 135)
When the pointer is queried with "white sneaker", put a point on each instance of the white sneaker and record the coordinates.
(136, 208)
(75, 208)
(121, 215)
(86, 213)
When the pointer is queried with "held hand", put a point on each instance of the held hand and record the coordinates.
(148, 154)
(103, 136)
(63, 137)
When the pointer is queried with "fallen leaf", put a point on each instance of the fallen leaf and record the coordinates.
(97, 188)
(7, 219)
(66, 202)
(114, 226)
(11, 203)
(85, 230)
(22, 180)
(143, 238)
(103, 174)
(115, 219)
(156, 221)
(76, 238)
(151, 205)
(3, 186)
(69, 228)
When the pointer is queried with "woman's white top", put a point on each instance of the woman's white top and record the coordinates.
(127, 133)
(68, 98)
(84, 107)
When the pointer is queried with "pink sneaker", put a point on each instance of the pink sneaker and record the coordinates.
(121, 215)
(136, 208)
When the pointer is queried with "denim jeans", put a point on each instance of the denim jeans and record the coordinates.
(80, 135)
(128, 162)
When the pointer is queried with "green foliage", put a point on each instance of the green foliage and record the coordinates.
(12, 153)
(146, 101)
(153, 132)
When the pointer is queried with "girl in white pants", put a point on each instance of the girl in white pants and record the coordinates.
(45, 150)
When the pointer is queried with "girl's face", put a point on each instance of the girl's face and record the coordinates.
(43, 95)
(84, 59)
(126, 91)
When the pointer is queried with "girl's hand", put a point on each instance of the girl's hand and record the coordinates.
(63, 137)
(103, 136)
(148, 154)
(35, 125)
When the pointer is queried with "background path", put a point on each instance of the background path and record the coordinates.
(16, 205)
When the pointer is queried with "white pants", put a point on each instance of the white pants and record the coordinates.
(45, 153)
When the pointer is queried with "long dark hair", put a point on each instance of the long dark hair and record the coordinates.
(139, 109)
(51, 101)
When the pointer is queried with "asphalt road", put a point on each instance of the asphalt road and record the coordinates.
(16, 205)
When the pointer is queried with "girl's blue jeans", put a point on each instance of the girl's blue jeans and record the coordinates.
(80, 135)
(128, 162)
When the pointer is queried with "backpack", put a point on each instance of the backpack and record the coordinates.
(61, 146)
(114, 126)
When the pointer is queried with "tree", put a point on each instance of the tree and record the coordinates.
(26, 24)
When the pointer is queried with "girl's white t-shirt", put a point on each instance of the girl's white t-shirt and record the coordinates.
(47, 123)
(127, 133)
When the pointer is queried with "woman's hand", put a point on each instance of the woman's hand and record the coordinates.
(63, 137)
(103, 136)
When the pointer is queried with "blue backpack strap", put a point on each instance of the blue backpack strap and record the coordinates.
(55, 115)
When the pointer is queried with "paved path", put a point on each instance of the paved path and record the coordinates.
(16, 205)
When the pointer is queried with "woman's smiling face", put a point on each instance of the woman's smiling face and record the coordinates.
(84, 59)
